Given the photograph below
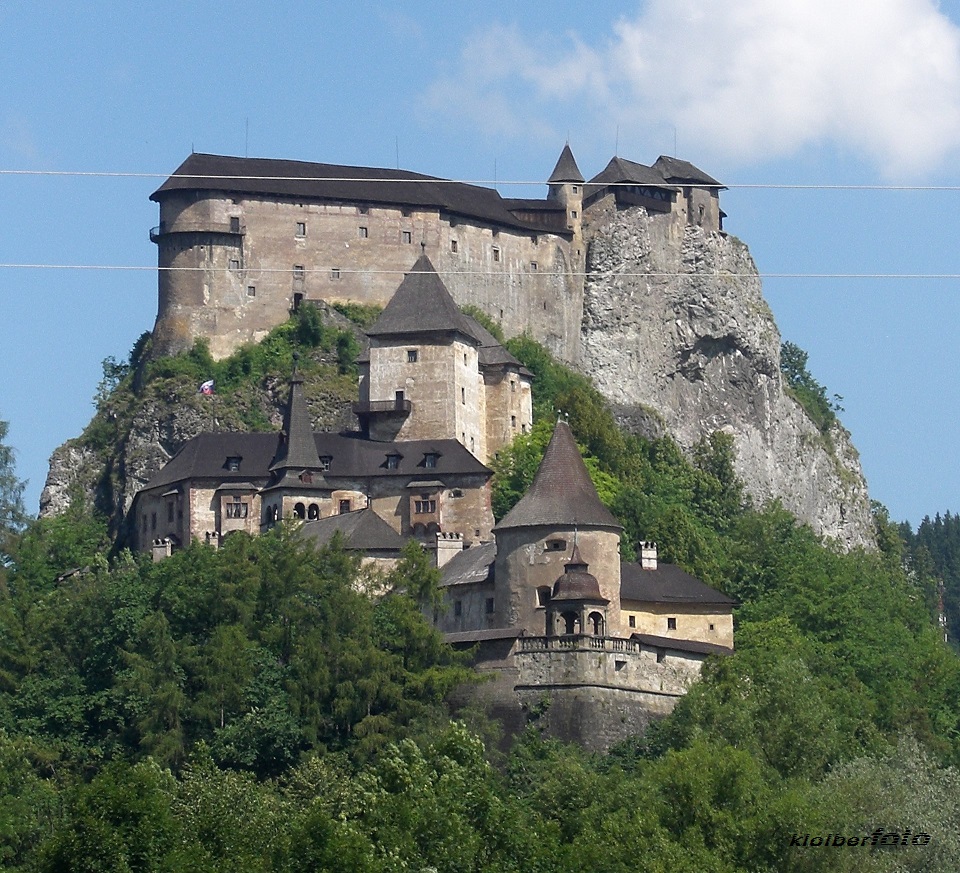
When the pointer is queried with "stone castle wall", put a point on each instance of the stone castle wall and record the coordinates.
(230, 267)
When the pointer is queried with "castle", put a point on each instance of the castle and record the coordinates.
(543, 597)
(242, 241)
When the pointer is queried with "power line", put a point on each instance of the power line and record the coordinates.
(250, 271)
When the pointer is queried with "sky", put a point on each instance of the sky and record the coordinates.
(836, 127)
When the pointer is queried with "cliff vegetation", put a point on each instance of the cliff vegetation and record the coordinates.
(252, 708)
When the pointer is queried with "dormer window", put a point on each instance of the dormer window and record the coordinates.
(393, 462)
(233, 463)
(430, 459)
(325, 461)
(306, 477)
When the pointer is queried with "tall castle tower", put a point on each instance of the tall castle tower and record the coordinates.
(566, 186)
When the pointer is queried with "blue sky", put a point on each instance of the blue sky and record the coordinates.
(756, 92)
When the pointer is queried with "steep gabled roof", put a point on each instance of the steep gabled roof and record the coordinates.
(470, 566)
(363, 531)
(562, 493)
(422, 304)
(205, 457)
(491, 353)
(622, 170)
(296, 449)
(566, 169)
(302, 179)
(683, 172)
(668, 584)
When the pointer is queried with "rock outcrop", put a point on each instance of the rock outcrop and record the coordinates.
(677, 335)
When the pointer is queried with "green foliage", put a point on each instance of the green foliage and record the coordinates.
(361, 314)
(13, 516)
(809, 393)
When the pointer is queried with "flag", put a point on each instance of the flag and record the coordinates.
(206, 387)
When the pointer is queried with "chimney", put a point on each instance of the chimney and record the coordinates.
(162, 548)
(448, 544)
(648, 556)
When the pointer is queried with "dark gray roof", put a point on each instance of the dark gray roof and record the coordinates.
(622, 170)
(363, 531)
(296, 447)
(667, 584)
(205, 456)
(682, 645)
(491, 353)
(470, 566)
(422, 304)
(683, 172)
(562, 492)
(533, 204)
(566, 169)
(478, 636)
(307, 180)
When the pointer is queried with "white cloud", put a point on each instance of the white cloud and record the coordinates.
(747, 79)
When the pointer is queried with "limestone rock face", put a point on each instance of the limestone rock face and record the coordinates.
(677, 335)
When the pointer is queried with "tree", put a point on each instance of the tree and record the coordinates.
(13, 517)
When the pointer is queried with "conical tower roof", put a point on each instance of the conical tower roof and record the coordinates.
(566, 169)
(297, 447)
(422, 304)
(562, 493)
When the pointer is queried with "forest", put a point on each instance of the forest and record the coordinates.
(271, 707)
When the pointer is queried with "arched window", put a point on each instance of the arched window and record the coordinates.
(596, 623)
(276, 513)
(313, 512)
(543, 595)
(571, 623)
(299, 511)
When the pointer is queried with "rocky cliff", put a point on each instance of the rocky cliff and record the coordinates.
(677, 335)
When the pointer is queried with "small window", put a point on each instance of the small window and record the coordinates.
(301, 228)
(325, 461)
(575, 189)
(496, 255)
(334, 272)
(513, 422)
(454, 246)
(513, 386)
(306, 477)
(299, 511)
(234, 265)
(411, 356)
(251, 290)
(489, 606)
(362, 232)
(234, 224)
(556, 545)
(406, 237)
(458, 608)
(543, 595)
(712, 626)
(632, 621)
(457, 492)
(533, 266)
(233, 463)
(430, 459)
(573, 213)
(464, 359)
(671, 624)
(463, 395)
(344, 507)
(661, 654)
(393, 462)
(298, 271)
